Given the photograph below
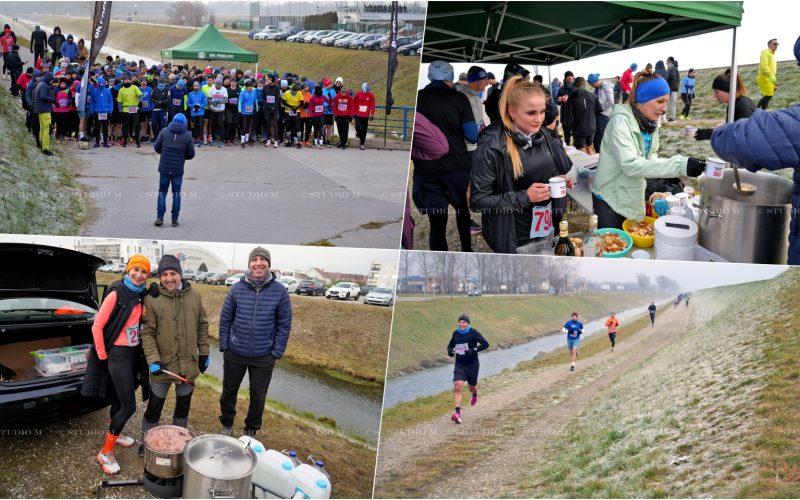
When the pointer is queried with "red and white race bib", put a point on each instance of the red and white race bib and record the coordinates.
(102, 116)
(132, 334)
(132, 109)
(176, 102)
(342, 106)
(542, 223)
(461, 349)
(233, 100)
(248, 109)
(319, 109)
(63, 103)
(362, 109)
(270, 99)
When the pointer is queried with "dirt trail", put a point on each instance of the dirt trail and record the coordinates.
(513, 422)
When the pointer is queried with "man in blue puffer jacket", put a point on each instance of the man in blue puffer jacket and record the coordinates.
(175, 146)
(254, 328)
(768, 139)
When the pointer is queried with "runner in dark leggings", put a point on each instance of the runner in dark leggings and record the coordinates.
(612, 323)
(652, 310)
(465, 344)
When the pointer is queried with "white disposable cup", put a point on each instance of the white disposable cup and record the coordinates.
(640, 255)
(688, 133)
(689, 190)
(672, 201)
(677, 210)
(683, 199)
(558, 187)
(714, 168)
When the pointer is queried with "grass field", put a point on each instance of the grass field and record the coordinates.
(43, 197)
(355, 336)
(312, 61)
(421, 329)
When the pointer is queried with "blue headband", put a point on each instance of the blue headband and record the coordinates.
(651, 89)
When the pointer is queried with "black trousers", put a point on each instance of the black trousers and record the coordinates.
(38, 51)
(343, 128)
(130, 126)
(307, 125)
(121, 362)
(260, 372)
(218, 125)
(362, 122)
(295, 128)
(687, 104)
(197, 128)
(606, 216)
(319, 122)
(101, 124)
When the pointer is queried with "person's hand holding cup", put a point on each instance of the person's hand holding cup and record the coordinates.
(538, 192)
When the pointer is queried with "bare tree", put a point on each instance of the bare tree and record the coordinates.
(404, 262)
(643, 280)
(427, 265)
(479, 259)
(667, 284)
(193, 13)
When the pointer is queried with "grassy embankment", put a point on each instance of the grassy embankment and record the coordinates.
(714, 414)
(37, 193)
(355, 336)
(313, 61)
(425, 409)
(422, 328)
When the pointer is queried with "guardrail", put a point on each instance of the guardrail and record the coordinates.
(398, 125)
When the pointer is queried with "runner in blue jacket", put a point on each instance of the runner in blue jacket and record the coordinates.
(248, 105)
(573, 328)
(101, 106)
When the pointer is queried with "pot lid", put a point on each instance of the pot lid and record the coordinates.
(220, 457)
(681, 232)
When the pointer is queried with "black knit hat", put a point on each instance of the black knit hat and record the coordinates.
(259, 251)
(168, 262)
(464, 317)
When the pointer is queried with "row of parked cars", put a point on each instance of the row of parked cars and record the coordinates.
(407, 45)
(344, 290)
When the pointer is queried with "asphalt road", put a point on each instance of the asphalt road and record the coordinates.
(252, 195)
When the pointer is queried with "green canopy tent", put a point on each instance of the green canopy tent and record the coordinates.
(208, 44)
(548, 33)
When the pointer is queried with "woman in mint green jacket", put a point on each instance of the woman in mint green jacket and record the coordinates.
(628, 154)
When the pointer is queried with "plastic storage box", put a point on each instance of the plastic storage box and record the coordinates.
(61, 360)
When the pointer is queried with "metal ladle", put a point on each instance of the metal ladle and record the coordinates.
(743, 188)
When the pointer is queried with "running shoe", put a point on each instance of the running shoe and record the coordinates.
(227, 431)
(572, 368)
(159, 222)
(456, 417)
(242, 145)
(141, 450)
(299, 146)
(125, 441)
(474, 400)
(175, 223)
(361, 147)
(274, 145)
(97, 144)
(108, 462)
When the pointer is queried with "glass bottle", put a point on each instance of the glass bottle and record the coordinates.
(591, 242)
(564, 246)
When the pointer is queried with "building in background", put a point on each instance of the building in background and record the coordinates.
(383, 273)
(113, 251)
(196, 259)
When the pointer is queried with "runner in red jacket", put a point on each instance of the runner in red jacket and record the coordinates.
(365, 112)
(343, 107)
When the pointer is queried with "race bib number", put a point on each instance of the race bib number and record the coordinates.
(318, 109)
(63, 103)
(102, 116)
(132, 332)
(248, 109)
(270, 99)
(132, 110)
(542, 223)
(233, 100)
(461, 349)
(342, 106)
(362, 109)
(176, 102)
(292, 113)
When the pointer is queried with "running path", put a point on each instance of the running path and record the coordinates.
(517, 420)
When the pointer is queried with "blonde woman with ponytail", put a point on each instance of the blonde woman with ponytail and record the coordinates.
(510, 173)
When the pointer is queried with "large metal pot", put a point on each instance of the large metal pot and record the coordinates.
(218, 467)
(746, 228)
(160, 463)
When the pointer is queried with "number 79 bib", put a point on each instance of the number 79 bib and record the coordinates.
(542, 222)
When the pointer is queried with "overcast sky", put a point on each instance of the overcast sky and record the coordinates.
(761, 21)
(284, 257)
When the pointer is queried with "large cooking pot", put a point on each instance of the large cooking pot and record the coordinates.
(749, 228)
(160, 462)
(218, 467)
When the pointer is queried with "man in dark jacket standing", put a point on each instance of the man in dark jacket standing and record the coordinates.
(38, 42)
(254, 327)
(175, 146)
(55, 42)
(16, 66)
(674, 81)
(43, 100)
(564, 92)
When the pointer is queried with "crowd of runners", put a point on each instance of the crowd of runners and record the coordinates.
(129, 103)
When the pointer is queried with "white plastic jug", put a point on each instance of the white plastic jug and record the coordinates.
(309, 481)
(273, 471)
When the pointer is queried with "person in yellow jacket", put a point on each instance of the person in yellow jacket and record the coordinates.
(767, 73)
(128, 99)
(293, 102)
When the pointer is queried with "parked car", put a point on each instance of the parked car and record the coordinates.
(188, 274)
(283, 35)
(329, 41)
(289, 283)
(48, 302)
(106, 268)
(345, 40)
(233, 279)
(299, 36)
(381, 296)
(401, 40)
(475, 292)
(310, 287)
(411, 49)
(266, 35)
(317, 36)
(217, 278)
(344, 290)
(366, 289)
(118, 267)
(251, 33)
(360, 43)
(375, 44)
(201, 277)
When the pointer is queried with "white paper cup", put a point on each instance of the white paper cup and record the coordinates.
(558, 187)
(672, 201)
(640, 255)
(689, 190)
(688, 133)
(715, 168)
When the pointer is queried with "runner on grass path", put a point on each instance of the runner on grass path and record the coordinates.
(652, 310)
(612, 323)
(465, 345)
(573, 328)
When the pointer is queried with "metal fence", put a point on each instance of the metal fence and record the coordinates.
(397, 125)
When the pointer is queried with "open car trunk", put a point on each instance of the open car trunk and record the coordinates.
(18, 342)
